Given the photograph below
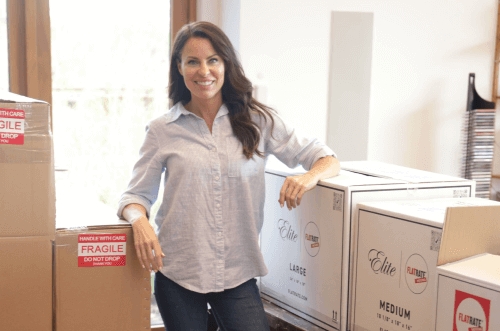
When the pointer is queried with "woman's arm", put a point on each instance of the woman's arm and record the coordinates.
(294, 187)
(146, 242)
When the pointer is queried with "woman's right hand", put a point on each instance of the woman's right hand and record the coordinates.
(146, 242)
(147, 246)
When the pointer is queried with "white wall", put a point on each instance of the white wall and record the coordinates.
(423, 51)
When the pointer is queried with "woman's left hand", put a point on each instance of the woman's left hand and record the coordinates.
(294, 188)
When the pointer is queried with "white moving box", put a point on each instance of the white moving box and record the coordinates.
(308, 249)
(396, 260)
(469, 294)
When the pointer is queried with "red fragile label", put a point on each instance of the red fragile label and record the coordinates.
(12, 126)
(102, 250)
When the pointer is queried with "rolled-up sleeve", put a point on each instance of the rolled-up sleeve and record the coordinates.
(146, 175)
(291, 148)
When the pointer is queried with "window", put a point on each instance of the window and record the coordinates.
(110, 74)
(110, 62)
(4, 62)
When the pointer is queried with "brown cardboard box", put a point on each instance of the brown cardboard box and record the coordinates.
(99, 283)
(25, 283)
(27, 197)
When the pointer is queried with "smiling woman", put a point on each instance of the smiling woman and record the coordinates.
(203, 73)
(209, 153)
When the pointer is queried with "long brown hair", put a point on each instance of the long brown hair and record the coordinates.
(236, 91)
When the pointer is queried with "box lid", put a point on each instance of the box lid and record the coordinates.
(344, 178)
(471, 226)
(386, 170)
(427, 211)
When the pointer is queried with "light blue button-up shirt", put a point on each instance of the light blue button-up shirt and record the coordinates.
(212, 209)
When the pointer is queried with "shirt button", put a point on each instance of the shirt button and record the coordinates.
(217, 177)
(218, 205)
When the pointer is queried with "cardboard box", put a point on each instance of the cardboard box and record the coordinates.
(398, 243)
(27, 193)
(26, 283)
(469, 294)
(99, 283)
(308, 250)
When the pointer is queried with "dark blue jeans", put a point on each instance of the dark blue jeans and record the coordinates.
(236, 309)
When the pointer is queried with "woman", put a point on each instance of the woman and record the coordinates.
(212, 146)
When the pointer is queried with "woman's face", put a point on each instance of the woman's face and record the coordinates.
(202, 69)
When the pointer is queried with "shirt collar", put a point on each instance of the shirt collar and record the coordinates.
(178, 109)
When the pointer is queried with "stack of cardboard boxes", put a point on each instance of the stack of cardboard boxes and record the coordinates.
(344, 268)
(27, 212)
(81, 274)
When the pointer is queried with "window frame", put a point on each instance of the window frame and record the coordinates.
(28, 34)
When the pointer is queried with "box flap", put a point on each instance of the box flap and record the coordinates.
(12, 97)
(344, 178)
(387, 170)
(468, 231)
(426, 211)
(350, 179)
